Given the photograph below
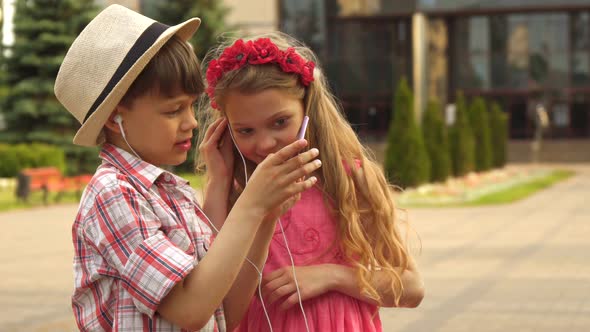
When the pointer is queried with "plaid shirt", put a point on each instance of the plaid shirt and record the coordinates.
(136, 235)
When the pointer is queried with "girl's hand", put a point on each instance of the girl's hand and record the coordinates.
(274, 185)
(313, 281)
(217, 151)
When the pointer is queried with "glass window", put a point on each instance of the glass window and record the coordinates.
(581, 68)
(364, 58)
(445, 5)
(305, 20)
(580, 39)
(472, 52)
(581, 31)
(517, 51)
(343, 8)
(437, 60)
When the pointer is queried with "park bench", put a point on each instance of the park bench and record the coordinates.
(48, 180)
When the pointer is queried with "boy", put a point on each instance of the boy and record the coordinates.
(143, 253)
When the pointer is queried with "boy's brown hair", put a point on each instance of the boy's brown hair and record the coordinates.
(173, 70)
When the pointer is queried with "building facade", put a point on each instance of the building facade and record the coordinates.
(520, 53)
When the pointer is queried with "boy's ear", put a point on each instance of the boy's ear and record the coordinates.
(111, 124)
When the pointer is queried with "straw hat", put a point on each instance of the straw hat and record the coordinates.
(104, 60)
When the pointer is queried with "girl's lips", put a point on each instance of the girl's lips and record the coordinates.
(184, 145)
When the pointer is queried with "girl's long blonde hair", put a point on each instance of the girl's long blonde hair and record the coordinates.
(364, 210)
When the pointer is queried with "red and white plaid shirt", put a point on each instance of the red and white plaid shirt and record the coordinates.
(136, 235)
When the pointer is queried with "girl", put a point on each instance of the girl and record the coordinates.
(348, 254)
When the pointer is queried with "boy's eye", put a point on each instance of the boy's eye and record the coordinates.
(173, 113)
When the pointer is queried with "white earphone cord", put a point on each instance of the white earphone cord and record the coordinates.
(119, 121)
(286, 245)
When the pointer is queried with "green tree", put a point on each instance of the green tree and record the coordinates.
(436, 140)
(44, 30)
(499, 135)
(461, 139)
(211, 12)
(406, 160)
(480, 123)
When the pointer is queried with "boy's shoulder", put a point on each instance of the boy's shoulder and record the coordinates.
(107, 176)
(106, 179)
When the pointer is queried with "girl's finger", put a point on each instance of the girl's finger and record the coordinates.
(300, 159)
(273, 275)
(273, 284)
(217, 134)
(286, 153)
(270, 289)
(290, 301)
(281, 292)
(301, 172)
(212, 128)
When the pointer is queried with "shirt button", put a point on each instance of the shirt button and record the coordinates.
(167, 177)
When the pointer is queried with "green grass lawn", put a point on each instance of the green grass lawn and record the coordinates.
(8, 199)
(523, 190)
(503, 196)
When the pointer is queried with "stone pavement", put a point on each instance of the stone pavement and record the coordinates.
(520, 267)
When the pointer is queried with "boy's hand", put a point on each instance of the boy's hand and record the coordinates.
(217, 151)
(275, 184)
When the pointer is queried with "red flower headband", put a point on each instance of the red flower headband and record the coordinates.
(258, 52)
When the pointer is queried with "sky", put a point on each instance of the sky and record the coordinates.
(7, 35)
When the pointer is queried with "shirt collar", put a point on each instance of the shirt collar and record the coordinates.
(142, 171)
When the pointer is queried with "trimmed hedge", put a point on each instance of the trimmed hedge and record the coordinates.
(480, 123)
(461, 139)
(16, 157)
(406, 160)
(436, 140)
(499, 135)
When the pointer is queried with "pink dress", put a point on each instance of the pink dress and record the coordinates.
(311, 235)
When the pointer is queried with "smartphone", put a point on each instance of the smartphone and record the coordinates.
(303, 128)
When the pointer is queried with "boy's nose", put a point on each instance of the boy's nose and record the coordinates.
(189, 123)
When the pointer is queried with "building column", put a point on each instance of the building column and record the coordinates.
(419, 55)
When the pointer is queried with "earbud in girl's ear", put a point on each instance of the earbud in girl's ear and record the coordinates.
(118, 119)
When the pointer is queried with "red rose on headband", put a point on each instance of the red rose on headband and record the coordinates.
(291, 61)
(236, 56)
(263, 51)
(214, 72)
(307, 73)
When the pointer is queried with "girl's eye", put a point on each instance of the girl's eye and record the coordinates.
(244, 131)
(281, 122)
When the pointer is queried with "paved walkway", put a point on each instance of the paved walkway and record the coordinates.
(522, 267)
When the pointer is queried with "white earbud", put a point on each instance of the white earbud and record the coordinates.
(119, 120)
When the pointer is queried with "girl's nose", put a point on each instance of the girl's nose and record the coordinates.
(266, 145)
